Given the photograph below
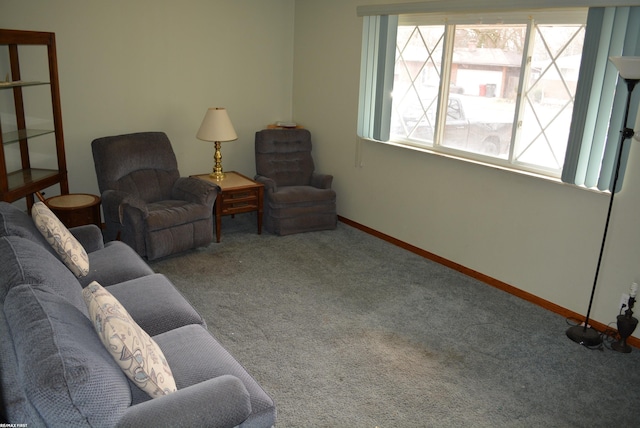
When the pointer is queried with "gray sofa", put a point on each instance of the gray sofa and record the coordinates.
(55, 371)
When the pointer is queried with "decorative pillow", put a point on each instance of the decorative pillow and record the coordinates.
(134, 350)
(63, 242)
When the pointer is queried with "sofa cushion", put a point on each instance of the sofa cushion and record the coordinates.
(133, 349)
(63, 242)
(302, 196)
(113, 264)
(155, 304)
(66, 373)
(15, 222)
(25, 262)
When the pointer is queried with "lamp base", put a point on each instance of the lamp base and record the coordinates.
(217, 175)
(621, 346)
(626, 326)
(586, 336)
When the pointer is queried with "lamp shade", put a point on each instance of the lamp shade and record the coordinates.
(216, 126)
(628, 66)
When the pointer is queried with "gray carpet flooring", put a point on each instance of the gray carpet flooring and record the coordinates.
(345, 330)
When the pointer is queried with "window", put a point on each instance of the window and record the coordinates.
(497, 87)
(484, 71)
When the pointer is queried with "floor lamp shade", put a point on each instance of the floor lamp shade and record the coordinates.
(628, 66)
(216, 126)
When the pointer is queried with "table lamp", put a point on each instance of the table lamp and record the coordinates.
(216, 126)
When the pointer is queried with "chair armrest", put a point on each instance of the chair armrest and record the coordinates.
(321, 181)
(124, 216)
(89, 236)
(115, 202)
(218, 402)
(269, 184)
(131, 202)
(194, 190)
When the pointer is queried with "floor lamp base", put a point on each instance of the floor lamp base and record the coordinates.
(584, 336)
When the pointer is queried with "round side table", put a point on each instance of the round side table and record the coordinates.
(76, 209)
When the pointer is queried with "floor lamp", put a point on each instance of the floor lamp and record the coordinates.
(629, 69)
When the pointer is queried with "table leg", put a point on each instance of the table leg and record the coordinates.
(218, 208)
(260, 198)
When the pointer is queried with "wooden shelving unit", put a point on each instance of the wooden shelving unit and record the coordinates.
(28, 179)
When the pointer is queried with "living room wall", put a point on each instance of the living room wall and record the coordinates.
(538, 235)
(130, 66)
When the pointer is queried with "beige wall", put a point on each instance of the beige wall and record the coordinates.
(129, 66)
(158, 64)
(539, 236)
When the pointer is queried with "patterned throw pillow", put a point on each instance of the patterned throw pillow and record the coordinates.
(134, 350)
(63, 242)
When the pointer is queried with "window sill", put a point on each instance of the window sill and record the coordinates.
(453, 156)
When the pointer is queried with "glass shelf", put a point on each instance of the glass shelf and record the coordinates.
(15, 136)
(26, 177)
(20, 84)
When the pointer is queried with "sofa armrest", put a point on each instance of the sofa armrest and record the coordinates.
(269, 184)
(321, 181)
(194, 190)
(218, 402)
(89, 236)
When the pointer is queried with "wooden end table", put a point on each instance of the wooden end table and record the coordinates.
(76, 209)
(238, 194)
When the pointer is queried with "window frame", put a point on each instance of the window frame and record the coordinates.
(529, 20)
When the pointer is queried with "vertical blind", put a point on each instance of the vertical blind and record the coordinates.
(376, 76)
(594, 138)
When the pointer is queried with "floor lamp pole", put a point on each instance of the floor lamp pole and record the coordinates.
(584, 334)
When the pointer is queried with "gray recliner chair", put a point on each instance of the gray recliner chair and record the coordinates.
(145, 202)
(296, 198)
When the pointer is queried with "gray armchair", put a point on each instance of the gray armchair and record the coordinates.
(296, 198)
(145, 202)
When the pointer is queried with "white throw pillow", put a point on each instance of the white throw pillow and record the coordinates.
(63, 242)
(134, 350)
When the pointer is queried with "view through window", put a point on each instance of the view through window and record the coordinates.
(507, 90)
